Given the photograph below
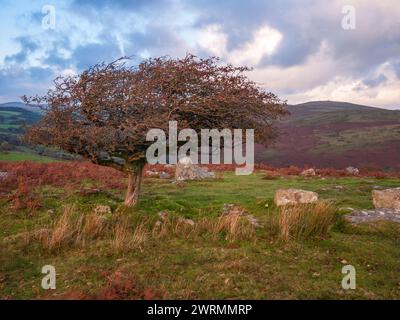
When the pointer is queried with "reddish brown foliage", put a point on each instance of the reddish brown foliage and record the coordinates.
(119, 286)
(24, 198)
(57, 174)
(23, 177)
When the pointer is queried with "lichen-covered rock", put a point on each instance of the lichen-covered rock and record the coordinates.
(361, 216)
(3, 174)
(100, 209)
(389, 198)
(186, 170)
(285, 197)
(164, 175)
(352, 170)
(308, 173)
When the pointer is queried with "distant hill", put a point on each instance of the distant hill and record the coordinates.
(336, 134)
(20, 105)
(319, 133)
(13, 117)
(12, 120)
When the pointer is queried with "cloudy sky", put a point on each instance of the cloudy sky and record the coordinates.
(298, 49)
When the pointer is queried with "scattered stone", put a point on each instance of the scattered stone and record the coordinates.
(164, 175)
(151, 173)
(308, 173)
(50, 212)
(285, 197)
(100, 209)
(339, 187)
(253, 221)
(389, 198)
(235, 209)
(163, 215)
(360, 216)
(353, 171)
(186, 170)
(3, 174)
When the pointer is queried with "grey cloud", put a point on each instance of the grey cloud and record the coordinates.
(27, 47)
(374, 82)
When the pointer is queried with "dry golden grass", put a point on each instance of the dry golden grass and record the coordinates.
(306, 221)
(62, 230)
(92, 227)
(70, 228)
(124, 239)
(124, 233)
(232, 227)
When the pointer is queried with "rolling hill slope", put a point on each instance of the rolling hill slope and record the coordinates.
(13, 116)
(336, 134)
(320, 134)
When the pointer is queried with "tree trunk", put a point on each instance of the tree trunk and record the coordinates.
(134, 183)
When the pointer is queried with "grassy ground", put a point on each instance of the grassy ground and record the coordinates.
(200, 266)
(24, 156)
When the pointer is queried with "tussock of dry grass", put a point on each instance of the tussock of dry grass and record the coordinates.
(62, 231)
(70, 228)
(232, 227)
(124, 233)
(92, 227)
(306, 221)
(126, 237)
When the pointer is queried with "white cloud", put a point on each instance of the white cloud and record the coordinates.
(264, 42)
(212, 39)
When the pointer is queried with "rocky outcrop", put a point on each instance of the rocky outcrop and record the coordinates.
(285, 197)
(308, 173)
(352, 171)
(389, 198)
(237, 210)
(186, 170)
(374, 215)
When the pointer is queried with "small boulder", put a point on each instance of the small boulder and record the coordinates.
(389, 198)
(3, 174)
(151, 173)
(352, 171)
(164, 175)
(101, 209)
(187, 170)
(308, 173)
(233, 209)
(285, 197)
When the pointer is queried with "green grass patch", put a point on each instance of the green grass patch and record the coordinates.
(187, 265)
(24, 156)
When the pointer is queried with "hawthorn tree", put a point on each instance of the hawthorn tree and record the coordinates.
(104, 113)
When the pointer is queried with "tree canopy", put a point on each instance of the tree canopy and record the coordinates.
(105, 112)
